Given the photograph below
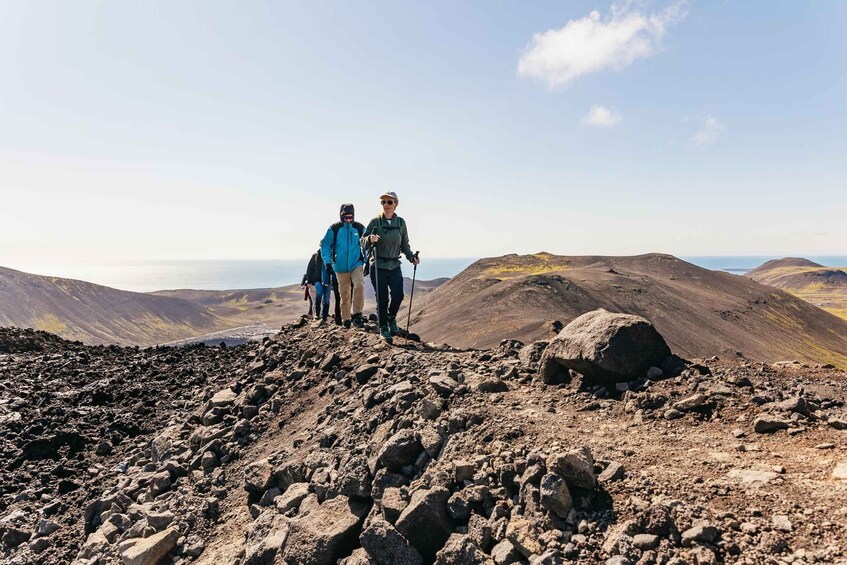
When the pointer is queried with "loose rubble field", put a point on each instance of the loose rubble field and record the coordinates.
(325, 445)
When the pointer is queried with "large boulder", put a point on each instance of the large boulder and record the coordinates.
(555, 495)
(386, 546)
(326, 533)
(461, 549)
(605, 347)
(148, 551)
(424, 521)
(576, 467)
(265, 538)
(531, 354)
(401, 449)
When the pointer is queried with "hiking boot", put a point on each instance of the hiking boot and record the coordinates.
(358, 321)
(322, 322)
(392, 325)
(347, 324)
(385, 334)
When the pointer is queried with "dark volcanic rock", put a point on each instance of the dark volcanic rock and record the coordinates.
(400, 469)
(401, 449)
(386, 545)
(424, 522)
(607, 347)
(326, 533)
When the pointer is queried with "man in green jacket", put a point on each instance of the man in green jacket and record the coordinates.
(387, 234)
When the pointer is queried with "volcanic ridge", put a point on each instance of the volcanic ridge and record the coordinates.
(698, 311)
(326, 445)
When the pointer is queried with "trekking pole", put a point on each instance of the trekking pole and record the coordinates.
(412, 294)
(376, 285)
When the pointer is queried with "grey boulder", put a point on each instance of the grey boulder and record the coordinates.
(606, 347)
(385, 545)
(424, 521)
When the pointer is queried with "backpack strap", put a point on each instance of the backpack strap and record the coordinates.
(361, 230)
(334, 227)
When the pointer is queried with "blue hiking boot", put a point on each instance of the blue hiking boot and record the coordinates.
(385, 333)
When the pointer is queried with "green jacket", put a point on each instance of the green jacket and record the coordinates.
(393, 240)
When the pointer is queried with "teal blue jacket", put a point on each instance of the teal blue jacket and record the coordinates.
(347, 254)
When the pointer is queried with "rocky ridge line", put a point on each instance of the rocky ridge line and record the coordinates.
(327, 445)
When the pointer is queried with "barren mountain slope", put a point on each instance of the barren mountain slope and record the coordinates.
(825, 287)
(283, 452)
(274, 306)
(700, 312)
(97, 314)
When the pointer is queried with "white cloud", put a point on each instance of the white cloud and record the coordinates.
(601, 116)
(708, 133)
(592, 44)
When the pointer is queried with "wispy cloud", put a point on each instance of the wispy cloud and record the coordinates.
(601, 116)
(593, 44)
(709, 131)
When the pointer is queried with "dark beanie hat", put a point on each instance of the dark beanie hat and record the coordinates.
(347, 209)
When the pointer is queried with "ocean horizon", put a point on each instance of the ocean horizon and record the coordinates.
(150, 276)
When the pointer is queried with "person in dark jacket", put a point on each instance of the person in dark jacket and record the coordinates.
(320, 283)
(308, 283)
(388, 235)
(341, 253)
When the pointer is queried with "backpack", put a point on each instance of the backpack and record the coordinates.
(337, 226)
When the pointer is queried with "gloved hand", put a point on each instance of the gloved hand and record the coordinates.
(329, 270)
(305, 281)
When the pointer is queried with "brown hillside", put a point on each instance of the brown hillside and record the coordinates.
(275, 306)
(824, 287)
(97, 314)
(787, 262)
(700, 312)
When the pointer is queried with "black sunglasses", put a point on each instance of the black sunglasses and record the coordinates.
(384, 202)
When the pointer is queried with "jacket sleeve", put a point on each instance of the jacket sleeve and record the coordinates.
(366, 238)
(326, 247)
(309, 270)
(405, 248)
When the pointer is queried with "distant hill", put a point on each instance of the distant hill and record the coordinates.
(825, 287)
(787, 262)
(98, 314)
(699, 312)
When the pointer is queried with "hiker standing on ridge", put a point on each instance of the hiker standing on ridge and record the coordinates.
(309, 280)
(320, 285)
(387, 236)
(342, 255)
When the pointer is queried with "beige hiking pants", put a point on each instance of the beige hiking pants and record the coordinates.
(358, 282)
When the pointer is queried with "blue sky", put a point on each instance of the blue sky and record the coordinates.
(198, 130)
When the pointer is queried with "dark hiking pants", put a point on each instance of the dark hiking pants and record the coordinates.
(390, 282)
(337, 299)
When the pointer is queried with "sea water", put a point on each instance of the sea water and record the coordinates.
(148, 276)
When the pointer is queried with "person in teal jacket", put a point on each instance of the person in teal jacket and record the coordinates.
(341, 252)
(387, 234)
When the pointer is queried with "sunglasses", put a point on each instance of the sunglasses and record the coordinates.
(384, 202)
